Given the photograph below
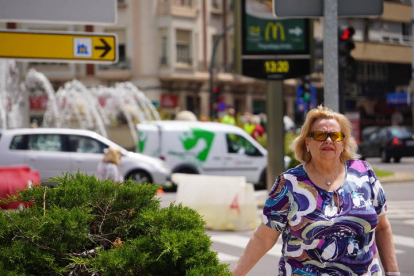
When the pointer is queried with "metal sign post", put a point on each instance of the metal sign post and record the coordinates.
(330, 54)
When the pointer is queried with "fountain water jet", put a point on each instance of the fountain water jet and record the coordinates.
(12, 92)
(38, 84)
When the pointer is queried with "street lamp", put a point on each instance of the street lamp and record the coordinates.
(213, 55)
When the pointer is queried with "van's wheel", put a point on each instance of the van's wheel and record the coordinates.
(140, 176)
(397, 159)
(385, 157)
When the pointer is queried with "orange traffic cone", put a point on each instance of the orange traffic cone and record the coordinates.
(160, 192)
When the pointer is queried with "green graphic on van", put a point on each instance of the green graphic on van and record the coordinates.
(190, 140)
(142, 140)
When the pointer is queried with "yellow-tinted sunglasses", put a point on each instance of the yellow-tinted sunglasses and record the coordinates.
(322, 136)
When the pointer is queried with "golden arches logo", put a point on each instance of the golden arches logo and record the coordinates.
(272, 28)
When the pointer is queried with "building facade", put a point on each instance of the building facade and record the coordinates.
(165, 49)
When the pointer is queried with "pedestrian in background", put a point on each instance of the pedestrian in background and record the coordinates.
(258, 130)
(229, 117)
(108, 167)
(330, 209)
(248, 124)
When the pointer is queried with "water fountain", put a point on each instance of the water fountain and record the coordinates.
(105, 110)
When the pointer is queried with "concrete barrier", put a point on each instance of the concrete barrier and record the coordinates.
(225, 203)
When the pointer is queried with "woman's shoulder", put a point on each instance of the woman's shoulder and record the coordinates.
(358, 165)
(297, 171)
(288, 179)
(293, 174)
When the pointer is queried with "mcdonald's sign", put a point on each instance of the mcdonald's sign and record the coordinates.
(270, 48)
(272, 29)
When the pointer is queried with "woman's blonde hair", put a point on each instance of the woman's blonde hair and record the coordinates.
(112, 155)
(299, 144)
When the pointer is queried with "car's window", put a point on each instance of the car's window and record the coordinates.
(45, 142)
(383, 134)
(373, 137)
(401, 133)
(18, 142)
(240, 145)
(85, 144)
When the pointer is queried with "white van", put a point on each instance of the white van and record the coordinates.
(204, 148)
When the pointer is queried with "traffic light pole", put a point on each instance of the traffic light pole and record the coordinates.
(275, 131)
(330, 55)
(412, 66)
(213, 57)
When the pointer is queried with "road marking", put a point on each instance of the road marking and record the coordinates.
(401, 210)
(404, 241)
(409, 222)
(398, 251)
(224, 258)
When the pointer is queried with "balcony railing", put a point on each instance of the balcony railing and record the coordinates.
(407, 2)
(180, 8)
(396, 39)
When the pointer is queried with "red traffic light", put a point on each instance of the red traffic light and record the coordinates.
(347, 33)
(215, 89)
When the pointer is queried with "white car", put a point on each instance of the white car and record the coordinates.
(53, 151)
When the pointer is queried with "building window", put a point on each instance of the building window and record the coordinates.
(395, 33)
(187, 3)
(406, 31)
(121, 52)
(164, 50)
(164, 47)
(183, 46)
(372, 71)
(216, 4)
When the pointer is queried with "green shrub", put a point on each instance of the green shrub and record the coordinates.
(85, 226)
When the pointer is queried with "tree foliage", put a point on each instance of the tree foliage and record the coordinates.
(85, 226)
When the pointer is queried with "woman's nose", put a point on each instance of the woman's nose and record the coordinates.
(328, 138)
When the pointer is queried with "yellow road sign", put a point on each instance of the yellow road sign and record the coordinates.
(52, 46)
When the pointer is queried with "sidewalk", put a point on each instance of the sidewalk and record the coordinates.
(398, 177)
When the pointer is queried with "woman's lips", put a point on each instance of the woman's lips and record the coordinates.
(328, 149)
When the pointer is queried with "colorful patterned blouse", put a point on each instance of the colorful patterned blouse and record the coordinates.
(327, 233)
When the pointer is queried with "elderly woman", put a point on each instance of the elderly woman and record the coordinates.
(330, 209)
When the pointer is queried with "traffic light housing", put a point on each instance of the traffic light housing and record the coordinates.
(345, 46)
(318, 55)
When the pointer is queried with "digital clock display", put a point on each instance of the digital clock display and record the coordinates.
(275, 69)
(280, 66)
